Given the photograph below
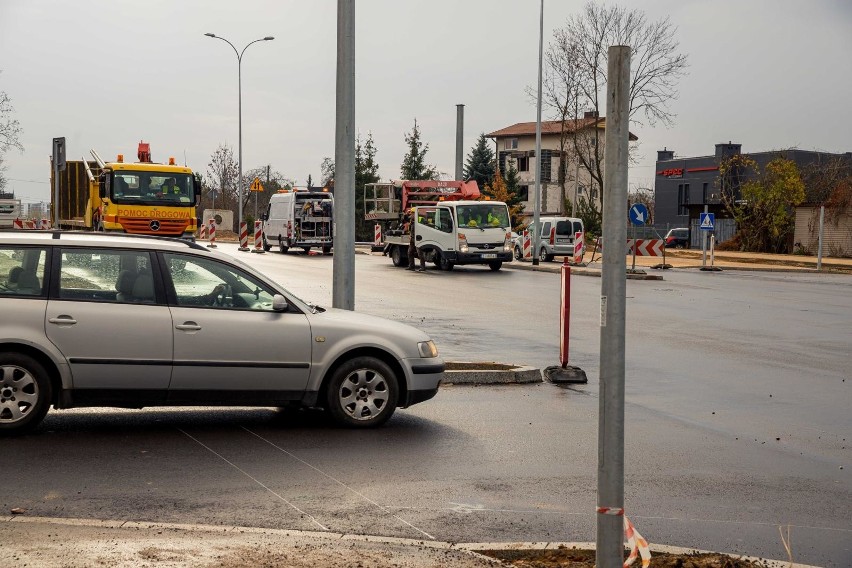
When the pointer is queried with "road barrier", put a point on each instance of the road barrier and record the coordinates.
(638, 545)
(243, 236)
(44, 224)
(565, 312)
(212, 234)
(377, 239)
(202, 231)
(578, 247)
(527, 245)
(258, 237)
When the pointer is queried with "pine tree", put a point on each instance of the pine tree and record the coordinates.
(310, 182)
(414, 163)
(480, 162)
(366, 171)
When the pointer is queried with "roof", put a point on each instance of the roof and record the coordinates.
(551, 127)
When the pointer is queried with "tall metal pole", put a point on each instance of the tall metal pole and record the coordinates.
(704, 242)
(343, 279)
(240, 119)
(536, 213)
(821, 226)
(459, 142)
(610, 548)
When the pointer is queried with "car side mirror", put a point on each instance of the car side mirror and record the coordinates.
(279, 303)
(102, 188)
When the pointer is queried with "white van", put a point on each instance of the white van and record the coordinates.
(300, 219)
(556, 238)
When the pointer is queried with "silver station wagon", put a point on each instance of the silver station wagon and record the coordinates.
(131, 322)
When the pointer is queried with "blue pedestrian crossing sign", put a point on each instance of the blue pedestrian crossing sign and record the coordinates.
(638, 214)
(707, 221)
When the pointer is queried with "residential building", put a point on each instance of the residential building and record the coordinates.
(515, 145)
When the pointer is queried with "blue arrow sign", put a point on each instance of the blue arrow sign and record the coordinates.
(638, 214)
(707, 221)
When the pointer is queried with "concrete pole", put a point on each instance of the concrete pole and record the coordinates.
(343, 279)
(821, 227)
(240, 141)
(460, 142)
(537, 206)
(610, 549)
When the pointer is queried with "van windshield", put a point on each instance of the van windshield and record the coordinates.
(484, 215)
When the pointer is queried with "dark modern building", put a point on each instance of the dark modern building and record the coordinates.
(684, 186)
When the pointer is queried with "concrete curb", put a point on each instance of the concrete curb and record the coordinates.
(469, 547)
(470, 373)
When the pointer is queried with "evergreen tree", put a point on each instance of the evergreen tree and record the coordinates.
(480, 163)
(414, 163)
(366, 171)
(310, 182)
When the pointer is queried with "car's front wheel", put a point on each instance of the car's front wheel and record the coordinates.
(25, 393)
(362, 393)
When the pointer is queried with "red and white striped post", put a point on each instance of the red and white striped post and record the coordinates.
(527, 245)
(243, 236)
(17, 224)
(578, 247)
(565, 313)
(212, 234)
(202, 231)
(258, 237)
(377, 240)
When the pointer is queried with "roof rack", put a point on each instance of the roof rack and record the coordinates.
(57, 233)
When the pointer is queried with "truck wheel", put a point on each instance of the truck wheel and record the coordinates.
(396, 256)
(362, 393)
(444, 263)
(326, 250)
(25, 393)
(282, 247)
(266, 246)
(306, 249)
(495, 265)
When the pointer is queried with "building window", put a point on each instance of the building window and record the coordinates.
(683, 199)
(510, 144)
(524, 192)
(593, 193)
(523, 164)
(546, 163)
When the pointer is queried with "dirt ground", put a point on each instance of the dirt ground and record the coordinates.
(572, 558)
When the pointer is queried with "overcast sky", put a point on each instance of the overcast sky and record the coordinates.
(105, 74)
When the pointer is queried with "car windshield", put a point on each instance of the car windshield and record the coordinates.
(153, 188)
(483, 215)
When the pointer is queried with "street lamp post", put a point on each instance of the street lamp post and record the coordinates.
(240, 98)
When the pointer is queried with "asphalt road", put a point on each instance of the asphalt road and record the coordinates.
(737, 419)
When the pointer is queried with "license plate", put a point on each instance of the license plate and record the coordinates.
(489, 255)
(563, 240)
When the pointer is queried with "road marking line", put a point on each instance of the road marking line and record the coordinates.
(361, 495)
(238, 468)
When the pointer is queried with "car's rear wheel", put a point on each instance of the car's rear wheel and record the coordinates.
(25, 393)
(396, 256)
(362, 393)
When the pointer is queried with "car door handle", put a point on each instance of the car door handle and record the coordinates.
(188, 326)
(63, 320)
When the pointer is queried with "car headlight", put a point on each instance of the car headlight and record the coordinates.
(427, 349)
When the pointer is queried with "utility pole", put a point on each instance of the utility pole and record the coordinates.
(536, 213)
(343, 279)
(610, 544)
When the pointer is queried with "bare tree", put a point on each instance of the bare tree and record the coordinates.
(222, 175)
(10, 129)
(576, 68)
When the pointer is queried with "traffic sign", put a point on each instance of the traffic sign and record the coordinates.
(255, 185)
(638, 214)
(707, 221)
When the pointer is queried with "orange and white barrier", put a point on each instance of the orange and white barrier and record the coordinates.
(44, 224)
(17, 224)
(645, 247)
(202, 231)
(212, 233)
(578, 247)
(527, 245)
(377, 240)
(258, 237)
(24, 224)
(243, 235)
(638, 544)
